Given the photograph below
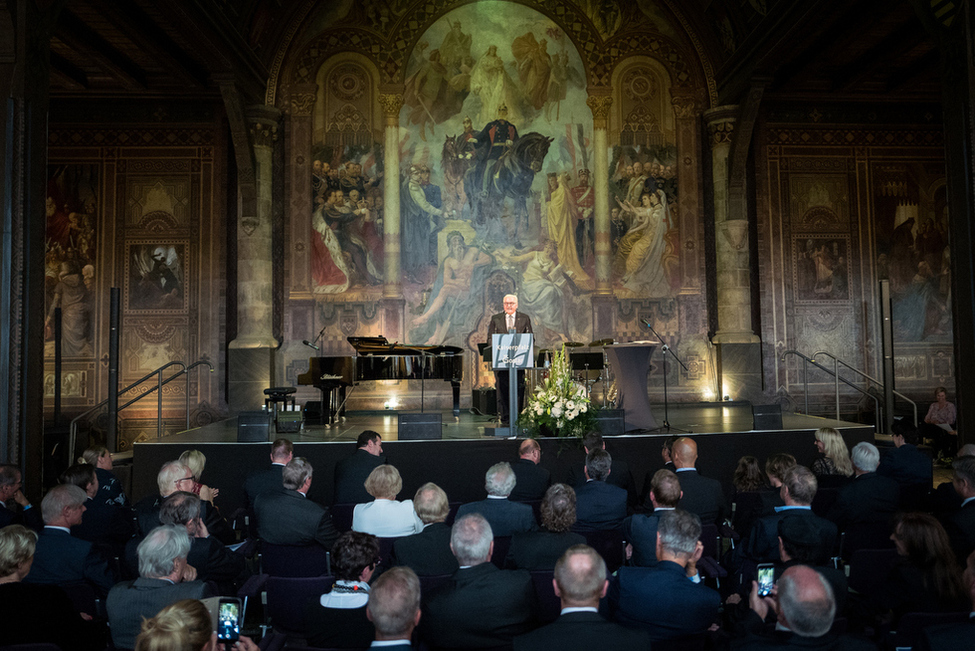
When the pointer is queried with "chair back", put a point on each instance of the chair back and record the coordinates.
(287, 597)
(870, 567)
(501, 546)
(866, 535)
(294, 560)
(825, 497)
(549, 605)
(609, 544)
(910, 626)
(342, 516)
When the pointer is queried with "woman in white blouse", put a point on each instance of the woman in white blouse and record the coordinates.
(384, 517)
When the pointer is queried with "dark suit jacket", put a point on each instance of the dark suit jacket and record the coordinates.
(947, 637)
(906, 465)
(758, 640)
(702, 496)
(337, 627)
(31, 518)
(214, 561)
(107, 525)
(505, 517)
(531, 481)
(641, 531)
(44, 613)
(662, 601)
(130, 601)
(351, 474)
(960, 526)
(289, 518)
(522, 324)
(427, 553)
(762, 545)
(582, 631)
(61, 558)
(599, 507)
(619, 475)
(262, 481)
(868, 499)
(539, 550)
(480, 607)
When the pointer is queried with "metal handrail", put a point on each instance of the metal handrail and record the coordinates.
(805, 384)
(837, 362)
(74, 422)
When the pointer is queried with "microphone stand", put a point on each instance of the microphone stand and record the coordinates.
(664, 350)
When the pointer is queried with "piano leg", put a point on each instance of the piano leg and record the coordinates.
(455, 389)
(341, 403)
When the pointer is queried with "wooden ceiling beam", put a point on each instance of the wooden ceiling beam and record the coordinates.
(77, 35)
(68, 74)
(898, 42)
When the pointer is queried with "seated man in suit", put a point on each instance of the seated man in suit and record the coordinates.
(268, 479)
(620, 475)
(703, 496)
(865, 507)
(289, 517)
(428, 553)
(60, 558)
(800, 544)
(580, 582)
(960, 524)
(641, 530)
(481, 606)
(541, 550)
(351, 473)
(948, 637)
(394, 608)
(173, 476)
(905, 464)
(664, 599)
(805, 606)
(531, 479)
(798, 491)
(506, 518)
(22, 512)
(600, 506)
(164, 578)
(212, 559)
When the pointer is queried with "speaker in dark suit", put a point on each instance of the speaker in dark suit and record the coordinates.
(502, 323)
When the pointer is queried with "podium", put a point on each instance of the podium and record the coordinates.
(511, 352)
(631, 363)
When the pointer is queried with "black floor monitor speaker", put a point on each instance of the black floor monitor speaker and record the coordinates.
(610, 422)
(485, 402)
(414, 427)
(253, 427)
(767, 417)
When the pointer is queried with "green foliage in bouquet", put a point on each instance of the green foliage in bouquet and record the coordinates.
(559, 407)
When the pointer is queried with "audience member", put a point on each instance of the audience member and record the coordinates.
(641, 530)
(748, 476)
(580, 582)
(109, 487)
(506, 517)
(800, 543)
(541, 550)
(949, 637)
(750, 492)
(288, 517)
(384, 516)
(835, 461)
(106, 524)
(269, 479)
(37, 614)
(164, 578)
(939, 423)
(21, 512)
(59, 557)
(870, 500)
(960, 524)
(600, 506)
(212, 560)
(703, 496)
(908, 466)
(481, 606)
(173, 476)
(620, 475)
(945, 499)
(663, 599)
(776, 466)
(804, 606)
(394, 608)
(531, 479)
(184, 626)
(428, 553)
(196, 461)
(351, 473)
(338, 618)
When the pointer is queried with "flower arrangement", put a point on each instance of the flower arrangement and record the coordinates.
(559, 405)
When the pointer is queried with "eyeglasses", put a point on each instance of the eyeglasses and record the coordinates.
(177, 482)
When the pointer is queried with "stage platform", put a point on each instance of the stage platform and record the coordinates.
(457, 462)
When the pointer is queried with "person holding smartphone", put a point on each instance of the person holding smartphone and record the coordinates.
(186, 625)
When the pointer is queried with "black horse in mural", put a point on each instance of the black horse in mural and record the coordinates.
(508, 177)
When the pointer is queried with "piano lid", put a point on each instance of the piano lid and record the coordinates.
(381, 346)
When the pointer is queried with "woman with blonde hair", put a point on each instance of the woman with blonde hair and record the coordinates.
(196, 461)
(836, 456)
(385, 517)
(183, 626)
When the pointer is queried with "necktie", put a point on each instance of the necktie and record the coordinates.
(511, 321)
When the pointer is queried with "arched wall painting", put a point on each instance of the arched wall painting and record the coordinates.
(495, 116)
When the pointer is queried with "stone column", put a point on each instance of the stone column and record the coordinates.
(739, 349)
(600, 105)
(393, 304)
(300, 206)
(688, 169)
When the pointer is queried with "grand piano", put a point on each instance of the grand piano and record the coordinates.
(378, 359)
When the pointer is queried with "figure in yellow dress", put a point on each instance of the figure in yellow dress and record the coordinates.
(562, 219)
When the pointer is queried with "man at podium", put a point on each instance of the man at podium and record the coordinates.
(509, 321)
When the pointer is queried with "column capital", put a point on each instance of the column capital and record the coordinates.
(262, 123)
(303, 98)
(721, 124)
(685, 106)
(600, 104)
(391, 104)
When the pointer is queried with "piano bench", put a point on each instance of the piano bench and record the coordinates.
(275, 395)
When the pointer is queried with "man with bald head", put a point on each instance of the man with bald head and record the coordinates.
(579, 583)
(702, 496)
(531, 479)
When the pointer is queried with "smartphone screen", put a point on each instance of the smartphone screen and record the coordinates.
(766, 579)
(228, 620)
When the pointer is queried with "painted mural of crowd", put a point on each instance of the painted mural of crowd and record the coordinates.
(347, 214)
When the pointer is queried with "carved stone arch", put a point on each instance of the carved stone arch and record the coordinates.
(642, 110)
(652, 46)
(347, 110)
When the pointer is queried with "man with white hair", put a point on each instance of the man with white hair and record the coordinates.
(289, 517)
(481, 606)
(173, 476)
(164, 578)
(506, 517)
(870, 499)
(394, 608)
(60, 558)
(510, 320)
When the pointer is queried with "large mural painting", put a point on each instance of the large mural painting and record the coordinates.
(496, 196)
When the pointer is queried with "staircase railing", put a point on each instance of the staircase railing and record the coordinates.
(806, 361)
